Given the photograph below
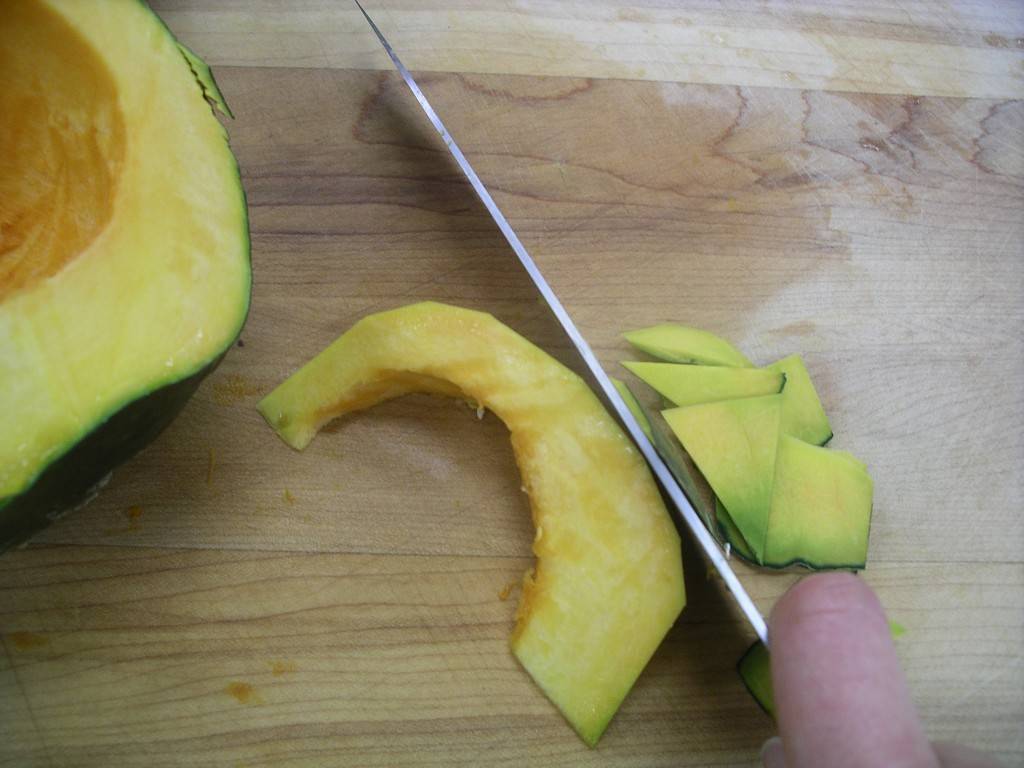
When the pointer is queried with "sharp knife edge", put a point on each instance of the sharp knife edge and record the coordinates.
(675, 493)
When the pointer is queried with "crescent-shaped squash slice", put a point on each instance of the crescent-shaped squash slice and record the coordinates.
(608, 580)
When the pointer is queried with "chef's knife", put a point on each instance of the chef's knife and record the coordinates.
(683, 506)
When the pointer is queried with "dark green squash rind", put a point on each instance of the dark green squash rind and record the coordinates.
(791, 565)
(71, 478)
(737, 546)
(204, 76)
(813, 566)
(750, 659)
(814, 428)
(69, 481)
(201, 71)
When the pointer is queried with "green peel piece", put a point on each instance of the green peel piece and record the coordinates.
(204, 76)
(682, 344)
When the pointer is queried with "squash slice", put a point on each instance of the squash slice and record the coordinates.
(733, 443)
(682, 344)
(695, 384)
(608, 581)
(820, 512)
(802, 413)
(678, 463)
(821, 508)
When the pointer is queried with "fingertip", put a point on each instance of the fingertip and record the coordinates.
(772, 753)
(826, 594)
(838, 685)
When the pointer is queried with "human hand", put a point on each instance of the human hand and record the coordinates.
(841, 698)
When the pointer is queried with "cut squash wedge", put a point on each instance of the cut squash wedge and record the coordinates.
(850, 458)
(821, 509)
(608, 581)
(820, 512)
(755, 435)
(730, 534)
(733, 443)
(802, 413)
(755, 670)
(682, 344)
(686, 385)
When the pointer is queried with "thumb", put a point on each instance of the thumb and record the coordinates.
(841, 698)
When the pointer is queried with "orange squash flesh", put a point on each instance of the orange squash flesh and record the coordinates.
(608, 580)
(124, 245)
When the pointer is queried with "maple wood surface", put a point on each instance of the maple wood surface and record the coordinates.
(842, 180)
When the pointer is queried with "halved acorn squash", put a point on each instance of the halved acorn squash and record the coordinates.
(124, 245)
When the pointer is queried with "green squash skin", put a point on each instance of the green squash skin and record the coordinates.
(790, 565)
(754, 670)
(204, 76)
(813, 566)
(71, 479)
(738, 545)
(797, 562)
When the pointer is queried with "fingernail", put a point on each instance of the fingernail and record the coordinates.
(772, 755)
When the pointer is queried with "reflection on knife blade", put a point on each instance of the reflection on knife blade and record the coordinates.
(683, 507)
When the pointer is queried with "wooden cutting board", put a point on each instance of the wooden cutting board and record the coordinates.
(840, 180)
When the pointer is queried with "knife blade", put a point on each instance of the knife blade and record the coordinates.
(683, 508)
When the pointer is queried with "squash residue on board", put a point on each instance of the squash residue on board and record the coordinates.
(133, 513)
(506, 591)
(233, 389)
(243, 693)
(26, 641)
(279, 668)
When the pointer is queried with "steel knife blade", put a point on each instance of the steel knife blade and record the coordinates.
(683, 508)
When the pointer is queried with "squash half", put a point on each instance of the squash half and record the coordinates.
(608, 581)
(124, 245)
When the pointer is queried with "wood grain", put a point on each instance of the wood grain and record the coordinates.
(135, 657)
(920, 47)
(770, 216)
(227, 601)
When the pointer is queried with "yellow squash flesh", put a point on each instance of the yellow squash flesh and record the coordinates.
(124, 247)
(608, 581)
